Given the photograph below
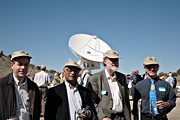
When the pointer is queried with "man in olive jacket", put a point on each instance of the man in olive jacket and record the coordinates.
(110, 90)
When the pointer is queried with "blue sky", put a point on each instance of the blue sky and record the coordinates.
(134, 28)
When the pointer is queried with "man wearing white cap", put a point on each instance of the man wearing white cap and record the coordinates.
(69, 100)
(19, 96)
(170, 79)
(110, 89)
(157, 96)
(42, 80)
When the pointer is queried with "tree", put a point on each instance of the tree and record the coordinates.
(178, 71)
(1, 53)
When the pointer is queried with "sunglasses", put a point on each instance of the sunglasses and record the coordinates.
(151, 66)
(74, 69)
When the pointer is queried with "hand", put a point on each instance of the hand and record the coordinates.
(106, 118)
(161, 104)
(82, 117)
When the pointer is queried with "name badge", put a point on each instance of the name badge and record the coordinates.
(162, 89)
(103, 91)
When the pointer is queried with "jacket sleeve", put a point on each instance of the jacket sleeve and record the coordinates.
(136, 97)
(171, 100)
(92, 107)
(50, 108)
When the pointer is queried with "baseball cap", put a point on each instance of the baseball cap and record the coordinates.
(20, 53)
(111, 54)
(150, 61)
(43, 66)
(72, 63)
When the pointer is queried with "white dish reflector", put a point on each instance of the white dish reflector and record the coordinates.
(88, 46)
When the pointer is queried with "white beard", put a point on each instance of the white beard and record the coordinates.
(113, 68)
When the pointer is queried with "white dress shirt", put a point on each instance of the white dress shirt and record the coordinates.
(22, 98)
(42, 79)
(116, 94)
(74, 100)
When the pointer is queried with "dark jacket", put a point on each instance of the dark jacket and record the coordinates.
(8, 98)
(164, 92)
(57, 107)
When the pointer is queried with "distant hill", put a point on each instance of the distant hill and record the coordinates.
(5, 67)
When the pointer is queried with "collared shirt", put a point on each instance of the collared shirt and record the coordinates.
(163, 91)
(74, 100)
(170, 80)
(116, 94)
(22, 98)
(42, 79)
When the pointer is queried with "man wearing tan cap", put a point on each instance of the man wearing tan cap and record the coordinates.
(110, 89)
(19, 96)
(68, 100)
(157, 96)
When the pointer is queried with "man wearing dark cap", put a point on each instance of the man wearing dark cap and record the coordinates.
(19, 96)
(69, 101)
(157, 96)
(110, 89)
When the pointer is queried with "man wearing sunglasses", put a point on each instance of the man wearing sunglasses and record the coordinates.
(157, 96)
(69, 101)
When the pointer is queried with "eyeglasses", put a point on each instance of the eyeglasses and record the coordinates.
(70, 69)
(154, 66)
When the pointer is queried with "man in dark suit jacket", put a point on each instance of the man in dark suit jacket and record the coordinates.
(110, 90)
(65, 100)
(19, 96)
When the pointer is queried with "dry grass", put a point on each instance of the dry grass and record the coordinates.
(5, 67)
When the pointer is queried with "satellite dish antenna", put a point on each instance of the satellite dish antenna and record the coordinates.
(89, 48)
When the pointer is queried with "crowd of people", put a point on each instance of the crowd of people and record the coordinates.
(77, 94)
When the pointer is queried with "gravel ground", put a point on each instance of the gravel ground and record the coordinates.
(175, 113)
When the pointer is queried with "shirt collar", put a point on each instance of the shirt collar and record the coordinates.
(70, 86)
(17, 81)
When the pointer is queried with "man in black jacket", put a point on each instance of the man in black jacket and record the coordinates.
(19, 96)
(69, 101)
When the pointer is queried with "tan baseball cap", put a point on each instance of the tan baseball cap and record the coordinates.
(111, 54)
(150, 61)
(72, 63)
(20, 53)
